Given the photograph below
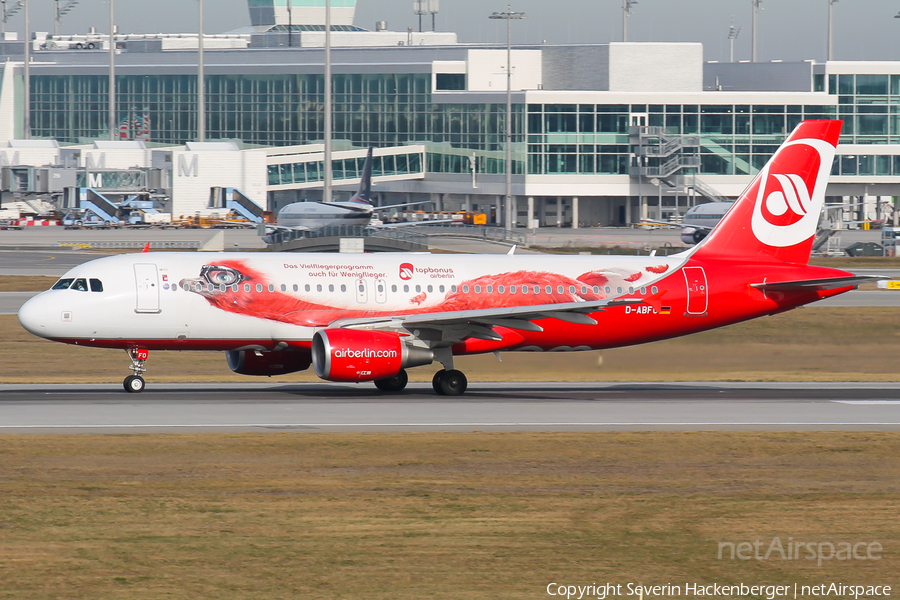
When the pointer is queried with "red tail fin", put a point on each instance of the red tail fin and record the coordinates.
(776, 217)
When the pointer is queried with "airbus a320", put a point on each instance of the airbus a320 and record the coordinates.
(357, 318)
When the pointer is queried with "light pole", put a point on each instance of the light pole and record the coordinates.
(326, 193)
(626, 12)
(757, 6)
(112, 70)
(201, 81)
(27, 90)
(733, 33)
(508, 15)
(830, 32)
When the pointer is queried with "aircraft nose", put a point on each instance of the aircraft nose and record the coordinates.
(33, 315)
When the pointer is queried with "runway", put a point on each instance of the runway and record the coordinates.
(317, 407)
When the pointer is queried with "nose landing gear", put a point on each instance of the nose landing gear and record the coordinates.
(134, 384)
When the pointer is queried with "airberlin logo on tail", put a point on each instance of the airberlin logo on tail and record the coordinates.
(406, 271)
(787, 211)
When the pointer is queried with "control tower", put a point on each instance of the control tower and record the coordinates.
(267, 13)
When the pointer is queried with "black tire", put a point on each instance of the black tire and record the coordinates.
(133, 384)
(393, 384)
(436, 382)
(91, 46)
(454, 383)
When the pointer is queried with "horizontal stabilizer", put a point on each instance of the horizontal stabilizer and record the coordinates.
(817, 284)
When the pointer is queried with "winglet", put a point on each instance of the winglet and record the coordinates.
(146, 248)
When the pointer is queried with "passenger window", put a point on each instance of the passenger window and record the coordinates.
(246, 287)
(548, 289)
(418, 289)
(619, 290)
(96, 285)
(381, 288)
(430, 289)
(235, 288)
(512, 289)
(654, 290)
(537, 289)
(330, 287)
(559, 289)
(405, 288)
(571, 289)
(296, 288)
(271, 287)
(210, 287)
(500, 289)
(643, 291)
(187, 288)
(477, 289)
(630, 290)
(362, 288)
(259, 287)
(393, 288)
(465, 289)
(490, 289)
(343, 288)
(441, 289)
(596, 289)
(283, 288)
(584, 289)
(306, 287)
(223, 287)
(453, 288)
(319, 287)
(607, 289)
(62, 284)
(80, 285)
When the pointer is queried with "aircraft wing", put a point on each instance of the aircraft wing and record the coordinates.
(479, 323)
(272, 228)
(816, 284)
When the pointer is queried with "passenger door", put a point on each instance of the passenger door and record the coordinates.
(146, 277)
(697, 293)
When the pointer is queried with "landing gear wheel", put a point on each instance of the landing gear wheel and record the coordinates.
(393, 384)
(449, 383)
(436, 382)
(133, 384)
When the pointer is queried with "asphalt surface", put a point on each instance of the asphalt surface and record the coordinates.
(485, 407)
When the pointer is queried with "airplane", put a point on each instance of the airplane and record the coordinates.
(368, 318)
(698, 221)
(358, 210)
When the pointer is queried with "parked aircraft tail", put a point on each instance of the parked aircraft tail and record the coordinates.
(364, 194)
(776, 217)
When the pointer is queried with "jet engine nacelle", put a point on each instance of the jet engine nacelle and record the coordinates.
(692, 235)
(252, 362)
(355, 355)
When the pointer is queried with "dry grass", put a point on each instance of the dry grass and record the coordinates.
(812, 344)
(12, 283)
(448, 516)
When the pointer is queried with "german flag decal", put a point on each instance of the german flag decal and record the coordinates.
(664, 310)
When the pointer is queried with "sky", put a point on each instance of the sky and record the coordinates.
(786, 29)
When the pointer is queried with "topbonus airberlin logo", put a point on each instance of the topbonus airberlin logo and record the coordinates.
(786, 212)
(406, 271)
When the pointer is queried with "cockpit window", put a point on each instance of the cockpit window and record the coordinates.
(80, 285)
(96, 285)
(62, 284)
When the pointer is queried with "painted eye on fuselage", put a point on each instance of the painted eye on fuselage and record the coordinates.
(221, 275)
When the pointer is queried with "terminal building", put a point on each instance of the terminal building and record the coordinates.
(602, 134)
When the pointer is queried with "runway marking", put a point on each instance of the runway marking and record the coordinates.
(866, 401)
(502, 424)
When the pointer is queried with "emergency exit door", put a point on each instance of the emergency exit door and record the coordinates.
(146, 277)
(697, 292)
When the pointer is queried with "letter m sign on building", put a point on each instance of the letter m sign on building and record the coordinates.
(188, 170)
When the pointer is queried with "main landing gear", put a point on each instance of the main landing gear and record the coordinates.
(393, 384)
(134, 384)
(449, 382)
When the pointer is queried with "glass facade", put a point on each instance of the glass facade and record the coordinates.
(396, 109)
(350, 168)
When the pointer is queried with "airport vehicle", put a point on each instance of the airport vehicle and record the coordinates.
(366, 317)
